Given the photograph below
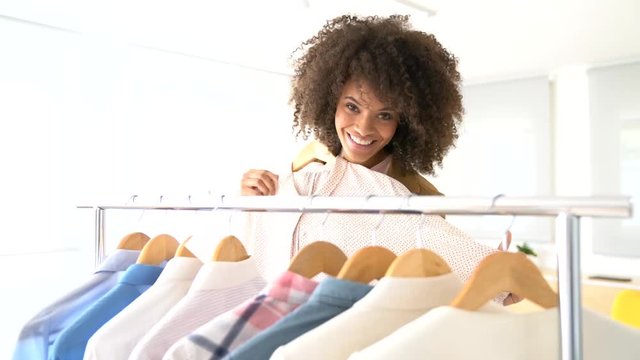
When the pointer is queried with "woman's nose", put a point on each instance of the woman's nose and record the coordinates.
(364, 124)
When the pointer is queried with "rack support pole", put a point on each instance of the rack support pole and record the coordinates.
(569, 285)
(99, 235)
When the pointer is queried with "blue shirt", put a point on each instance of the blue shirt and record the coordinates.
(331, 297)
(73, 340)
(39, 333)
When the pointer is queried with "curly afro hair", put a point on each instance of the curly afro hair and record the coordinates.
(407, 69)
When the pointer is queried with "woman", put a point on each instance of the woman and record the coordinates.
(377, 93)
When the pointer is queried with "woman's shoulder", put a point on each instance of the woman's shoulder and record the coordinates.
(413, 181)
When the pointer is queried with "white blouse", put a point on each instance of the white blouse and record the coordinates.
(273, 238)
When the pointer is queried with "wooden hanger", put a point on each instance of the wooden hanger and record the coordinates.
(133, 241)
(317, 257)
(505, 272)
(313, 151)
(160, 248)
(418, 263)
(367, 264)
(182, 249)
(230, 249)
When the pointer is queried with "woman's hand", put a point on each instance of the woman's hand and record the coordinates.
(259, 182)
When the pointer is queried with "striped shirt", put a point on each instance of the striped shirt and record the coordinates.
(218, 287)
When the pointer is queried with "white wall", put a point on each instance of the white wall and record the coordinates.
(84, 119)
(615, 124)
(504, 148)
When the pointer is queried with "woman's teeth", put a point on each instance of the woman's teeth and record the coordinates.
(360, 141)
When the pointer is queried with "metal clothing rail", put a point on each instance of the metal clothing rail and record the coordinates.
(566, 210)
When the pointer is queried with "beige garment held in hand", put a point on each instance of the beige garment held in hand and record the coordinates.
(318, 152)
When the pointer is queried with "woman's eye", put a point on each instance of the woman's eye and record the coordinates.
(385, 116)
(352, 107)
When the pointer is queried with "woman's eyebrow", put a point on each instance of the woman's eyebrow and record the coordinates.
(349, 97)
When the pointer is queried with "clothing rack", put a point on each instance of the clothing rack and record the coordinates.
(566, 210)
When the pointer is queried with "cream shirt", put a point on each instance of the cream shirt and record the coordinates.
(392, 303)
(454, 334)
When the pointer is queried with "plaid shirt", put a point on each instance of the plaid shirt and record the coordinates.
(224, 333)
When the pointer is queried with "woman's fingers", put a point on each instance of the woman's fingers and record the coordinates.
(259, 182)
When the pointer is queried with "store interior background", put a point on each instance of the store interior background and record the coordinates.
(100, 101)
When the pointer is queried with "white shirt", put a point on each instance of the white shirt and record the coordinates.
(275, 237)
(392, 303)
(217, 288)
(115, 339)
(452, 334)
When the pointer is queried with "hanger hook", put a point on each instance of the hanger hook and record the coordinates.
(419, 240)
(493, 201)
(405, 201)
(322, 227)
(230, 212)
(166, 215)
(304, 206)
(374, 241)
(311, 197)
(219, 203)
(367, 198)
(506, 240)
(131, 199)
(513, 219)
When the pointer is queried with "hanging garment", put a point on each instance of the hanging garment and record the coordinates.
(39, 333)
(316, 153)
(332, 297)
(452, 334)
(218, 287)
(351, 232)
(392, 303)
(226, 332)
(72, 341)
(115, 339)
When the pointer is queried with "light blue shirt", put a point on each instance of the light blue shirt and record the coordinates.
(331, 297)
(72, 341)
(39, 333)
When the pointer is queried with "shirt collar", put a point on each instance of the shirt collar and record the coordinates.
(224, 274)
(141, 274)
(338, 292)
(180, 268)
(412, 293)
(383, 166)
(120, 260)
(291, 288)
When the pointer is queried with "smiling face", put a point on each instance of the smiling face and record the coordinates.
(364, 124)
